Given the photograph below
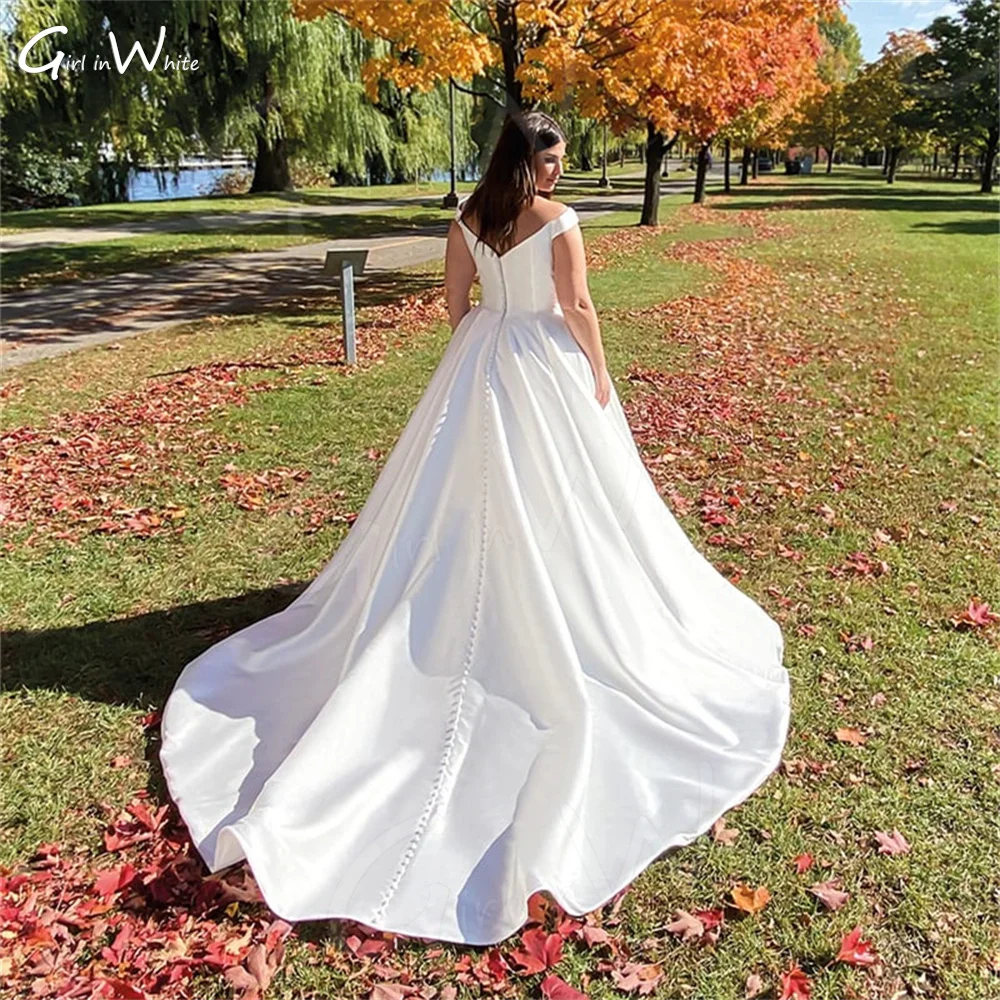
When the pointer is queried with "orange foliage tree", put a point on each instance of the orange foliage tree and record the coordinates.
(689, 67)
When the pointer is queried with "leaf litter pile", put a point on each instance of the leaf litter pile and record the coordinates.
(138, 917)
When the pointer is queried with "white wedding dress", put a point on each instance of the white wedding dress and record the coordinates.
(515, 673)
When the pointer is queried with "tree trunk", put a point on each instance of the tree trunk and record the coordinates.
(510, 51)
(621, 156)
(585, 162)
(829, 159)
(934, 166)
(651, 189)
(699, 181)
(986, 187)
(893, 162)
(270, 169)
(745, 166)
(885, 160)
(728, 159)
(956, 158)
(756, 157)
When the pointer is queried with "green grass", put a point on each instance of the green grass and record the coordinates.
(890, 298)
(216, 227)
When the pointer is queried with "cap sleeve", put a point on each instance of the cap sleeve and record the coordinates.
(565, 221)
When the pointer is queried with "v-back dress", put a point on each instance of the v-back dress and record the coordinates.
(516, 672)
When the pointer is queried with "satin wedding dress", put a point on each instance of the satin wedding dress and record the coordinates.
(515, 673)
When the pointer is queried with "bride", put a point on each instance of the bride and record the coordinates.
(516, 673)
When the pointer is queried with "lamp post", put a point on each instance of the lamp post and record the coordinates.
(604, 182)
(450, 200)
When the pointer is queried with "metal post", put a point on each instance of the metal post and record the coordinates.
(347, 298)
(451, 198)
(604, 182)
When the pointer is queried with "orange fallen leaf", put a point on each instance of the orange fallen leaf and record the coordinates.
(750, 900)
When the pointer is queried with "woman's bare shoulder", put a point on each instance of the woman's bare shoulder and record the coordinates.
(546, 209)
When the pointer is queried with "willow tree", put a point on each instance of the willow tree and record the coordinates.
(266, 84)
(77, 113)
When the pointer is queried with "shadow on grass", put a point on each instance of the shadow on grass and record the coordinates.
(160, 217)
(133, 661)
(207, 287)
(57, 264)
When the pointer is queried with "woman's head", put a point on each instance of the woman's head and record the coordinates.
(526, 163)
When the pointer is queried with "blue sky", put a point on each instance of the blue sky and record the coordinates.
(874, 19)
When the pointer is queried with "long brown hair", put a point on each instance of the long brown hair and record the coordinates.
(509, 181)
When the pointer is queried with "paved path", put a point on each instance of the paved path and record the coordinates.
(189, 222)
(63, 317)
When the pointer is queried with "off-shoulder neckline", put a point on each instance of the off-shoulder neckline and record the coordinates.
(509, 250)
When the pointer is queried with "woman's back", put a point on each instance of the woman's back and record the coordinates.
(521, 278)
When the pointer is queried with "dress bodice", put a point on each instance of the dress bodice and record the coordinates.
(519, 280)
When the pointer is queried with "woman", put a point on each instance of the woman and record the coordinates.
(516, 672)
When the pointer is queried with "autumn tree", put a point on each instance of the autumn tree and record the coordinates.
(692, 65)
(823, 118)
(881, 109)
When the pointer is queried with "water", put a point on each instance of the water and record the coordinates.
(194, 182)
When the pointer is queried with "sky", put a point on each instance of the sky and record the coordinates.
(874, 19)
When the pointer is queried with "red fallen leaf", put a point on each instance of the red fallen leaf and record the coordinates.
(554, 988)
(686, 925)
(803, 863)
(593, 936)
(894, 843)
(795, 984)
(826, 512)
(121, 760)
(976, 614)
(633, 977)
(539, 907)
(849, 735)
(830, 894)
(243, 981)
(854, 951)
(540, 951)
(152, 821)
(119, 990)
(39, 937)
(700, 926)
(114, 880)
(857, 643)
(150, 719)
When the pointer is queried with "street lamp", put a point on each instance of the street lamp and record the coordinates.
(604, 182)
(450, 200)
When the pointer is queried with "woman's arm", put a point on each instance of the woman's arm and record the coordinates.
(569, 272)
(459, 273)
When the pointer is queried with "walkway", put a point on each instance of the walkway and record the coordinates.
(63, 317)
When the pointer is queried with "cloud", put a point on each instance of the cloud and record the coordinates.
(928, 11)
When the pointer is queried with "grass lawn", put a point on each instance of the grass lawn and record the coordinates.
(145, 212)
(809, 367)
(218, 226)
